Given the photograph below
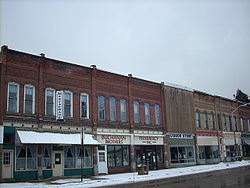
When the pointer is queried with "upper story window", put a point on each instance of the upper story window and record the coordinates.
(49, 102)
(219, 121)
(206, 120)
(136, 112)
(157, 114)
(225, 122)
(123, 108)
(112, 108)
(147, 113)
(241, 124)
(13, 97)
(29, 98)
(198, 119)
(230, 123)
(235, 124)
(67, 105)
(249, 125)
(213, 121)
(84, 106)
(101, 108)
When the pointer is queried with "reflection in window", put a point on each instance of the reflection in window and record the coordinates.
(101, 108)
(47, 157)
(112, 107)
(13, 97)
(25, 158)
(118, 156)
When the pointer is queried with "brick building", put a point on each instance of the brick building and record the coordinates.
(46, 104)
(62, 119)
(219, 128)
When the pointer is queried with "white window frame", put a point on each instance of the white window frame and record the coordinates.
(33, 97)
(26, 164)
(71, 103)
(206, 120)
(54, 100)
(87, 95)
(18, 89)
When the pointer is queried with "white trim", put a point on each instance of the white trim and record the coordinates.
(33, 97)
(54, 100)
(1, 134)
(71, 102)
(18, 87)
(84, 94)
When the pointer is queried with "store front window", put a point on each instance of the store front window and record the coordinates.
(118, 156)
(208, 152)
(151, 155)
(26, 157)
(74, 155)
(183, 154)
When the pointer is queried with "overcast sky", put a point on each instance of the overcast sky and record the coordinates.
(201, 44)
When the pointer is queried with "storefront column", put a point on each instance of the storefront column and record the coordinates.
(95, 160)
(39, 158)
(166, 151)
(132, 158)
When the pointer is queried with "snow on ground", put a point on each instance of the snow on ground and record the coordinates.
(104, 180)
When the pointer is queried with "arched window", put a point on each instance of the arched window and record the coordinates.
(29, 99)
(13, 97)
(101, 108)
(112, 109)
(49, 102)
(123, 108)
(84, 106)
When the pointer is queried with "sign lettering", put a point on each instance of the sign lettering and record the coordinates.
(59, 105)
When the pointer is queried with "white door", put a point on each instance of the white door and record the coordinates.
(102, 160)
(7, 170)
(57, 161)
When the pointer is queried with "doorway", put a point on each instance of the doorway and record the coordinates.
(7, 171)
(102, 160)
(58, 163)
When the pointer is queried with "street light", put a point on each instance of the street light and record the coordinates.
(235, 144)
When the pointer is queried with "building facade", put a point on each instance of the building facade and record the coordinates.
(61, 119)
(180, 122)
(48, 100)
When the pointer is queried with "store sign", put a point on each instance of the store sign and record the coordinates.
(113, 139)
(181, 136)
(59, 105)
(148, 140)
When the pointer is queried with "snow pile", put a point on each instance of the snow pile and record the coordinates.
(99, 181)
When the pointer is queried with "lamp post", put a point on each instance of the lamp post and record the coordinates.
(234, 129)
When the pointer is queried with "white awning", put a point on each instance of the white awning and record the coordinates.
(32, 137)
(1, 135)
(247, 141)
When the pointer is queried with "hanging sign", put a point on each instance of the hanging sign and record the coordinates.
(59, 105)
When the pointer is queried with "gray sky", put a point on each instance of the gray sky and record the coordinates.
(201, 44)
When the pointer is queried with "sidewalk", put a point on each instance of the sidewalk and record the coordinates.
(115, 179)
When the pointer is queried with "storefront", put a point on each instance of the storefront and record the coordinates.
(39, 155)
(118, 151)
(149, 151)
(182, 149)
(231, 145)
(245, 145)
(114, 153)
(208, 147)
